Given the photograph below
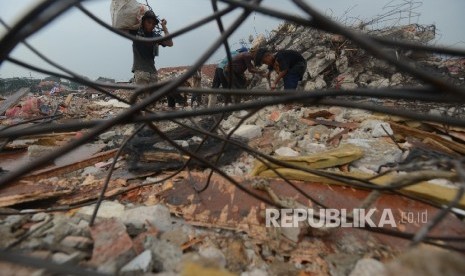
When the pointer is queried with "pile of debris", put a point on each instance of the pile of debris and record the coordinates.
(336, 62)
(209, 218)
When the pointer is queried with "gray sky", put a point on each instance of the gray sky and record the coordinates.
(76, 42)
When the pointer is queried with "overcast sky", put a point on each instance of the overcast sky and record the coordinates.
(76, 42)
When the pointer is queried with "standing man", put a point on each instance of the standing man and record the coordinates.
(144, 53)
(288, 64)
(197, 83)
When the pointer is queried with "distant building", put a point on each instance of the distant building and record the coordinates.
(102, 79)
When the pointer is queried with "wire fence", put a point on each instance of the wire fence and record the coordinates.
(435, 90)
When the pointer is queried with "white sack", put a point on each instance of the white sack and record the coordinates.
(126, 14)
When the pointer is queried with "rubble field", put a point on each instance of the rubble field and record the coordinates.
(166, 212)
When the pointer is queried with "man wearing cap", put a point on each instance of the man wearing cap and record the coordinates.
(290, 66)
(144, 53)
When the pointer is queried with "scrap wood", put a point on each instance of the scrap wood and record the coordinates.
(319, 114)
(86, 194)
(22, 193)
(407, 131)
(13, 99)
(53, 135)
(163, 157)
(313, 122)
(455, 132)
(335, 140)
(440, 147)
(445, 128)
(339, 156)
(68, 99)
(60, 170)
(192, 242)
(421, 188)
(41, 139)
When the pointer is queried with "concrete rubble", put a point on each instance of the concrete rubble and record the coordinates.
(163, 229)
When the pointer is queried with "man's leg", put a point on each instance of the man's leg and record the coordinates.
(291, 80)
(179, 99)
(217, 78)
(141, 77)
(217, 81)
(223, 80)
(239, 81)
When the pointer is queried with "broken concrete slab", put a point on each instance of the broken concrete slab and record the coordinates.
(286, 151)
(107, 209)
(143, 263)
(157, 215)
(377, 128)
(372, 159)
(319, 63)
(248, 131)
(367, 267)
(112, 246)
(166, 256)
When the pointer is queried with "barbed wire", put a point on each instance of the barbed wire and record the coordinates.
(435, 90)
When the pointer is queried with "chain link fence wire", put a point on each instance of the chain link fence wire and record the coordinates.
(435, 89)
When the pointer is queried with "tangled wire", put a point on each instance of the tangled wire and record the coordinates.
(435, 90)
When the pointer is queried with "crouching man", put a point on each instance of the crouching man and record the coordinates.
(288, 64)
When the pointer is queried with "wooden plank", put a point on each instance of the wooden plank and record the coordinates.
(68, 99)
(13, 99)
(28, 191)
(50, 139)
(163, 157)
(445, 128)
(11, 200)
(331, 158)
(60, 170)
(329, 123)
(407, 131)
(456, 132)
(423, 189)
(54, 135)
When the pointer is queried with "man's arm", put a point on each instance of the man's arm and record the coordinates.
(252, 68)
(168, 42)
(282, 67)
(278, 78)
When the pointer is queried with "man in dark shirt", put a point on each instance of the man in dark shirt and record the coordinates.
(288, 64)
(144, 53)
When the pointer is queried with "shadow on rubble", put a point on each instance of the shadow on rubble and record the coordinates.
(148, 152)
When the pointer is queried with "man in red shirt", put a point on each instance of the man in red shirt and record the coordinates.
(234, 71)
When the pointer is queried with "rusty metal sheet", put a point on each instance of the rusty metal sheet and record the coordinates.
(223, 205)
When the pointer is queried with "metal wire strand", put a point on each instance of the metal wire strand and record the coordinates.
(436, 90)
